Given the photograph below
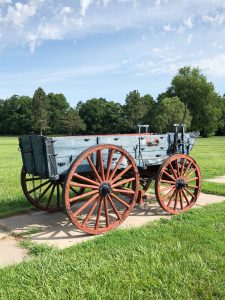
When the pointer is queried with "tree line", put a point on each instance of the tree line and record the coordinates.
(50, 113)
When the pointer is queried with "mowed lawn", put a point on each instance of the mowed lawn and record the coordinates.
(209, 153)
(181, 258)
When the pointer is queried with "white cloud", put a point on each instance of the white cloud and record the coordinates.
(84, 6)
(167, 28)
(188, 23)
(214, 66)
(189, 39)
(216, 20)
(3, 2)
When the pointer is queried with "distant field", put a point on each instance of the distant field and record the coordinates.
(209, 153)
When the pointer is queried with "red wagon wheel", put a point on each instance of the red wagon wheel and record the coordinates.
(107, 200)
(178, 183)
(44, 194)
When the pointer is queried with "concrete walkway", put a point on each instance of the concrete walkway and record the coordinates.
(56, 229)
(219, 179)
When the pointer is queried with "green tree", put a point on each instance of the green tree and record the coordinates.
(40, 110)
(57, 112)
(193, 89)
(136, 111)
(72, 123)
(167, 114)
(100, 116)
(16, 115)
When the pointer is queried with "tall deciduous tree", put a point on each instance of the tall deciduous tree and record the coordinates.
(193, 89)
(100, 116)
(58, 107)
(136, 110)
(167, 114)
(40, 110)
(72, 123)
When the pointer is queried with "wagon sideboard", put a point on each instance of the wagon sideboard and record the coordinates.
(51, 157)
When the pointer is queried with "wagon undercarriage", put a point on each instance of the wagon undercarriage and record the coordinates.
(104, 182)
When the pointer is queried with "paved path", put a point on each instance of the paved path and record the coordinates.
(219, 179)
(56, 229)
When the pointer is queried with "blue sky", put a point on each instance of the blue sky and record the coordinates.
(106, 48)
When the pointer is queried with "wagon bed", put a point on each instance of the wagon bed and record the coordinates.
(98, 179)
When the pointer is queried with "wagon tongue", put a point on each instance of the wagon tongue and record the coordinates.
(105, 189)
(180, 184)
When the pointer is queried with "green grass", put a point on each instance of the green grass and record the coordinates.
(181, 258)
(209, 153)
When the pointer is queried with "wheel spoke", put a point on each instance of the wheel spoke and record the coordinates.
(38, 187)
(182, 167)
(116, 167)
(114, 208)
(32, 179)
(90, 212)
(109, 164)
(44, 192)
(185, 196)
(94, 169)
(181, 201)
(121, 173)
(190, 173)
(178, 169)
(167, 195)
(123, 182)
(171, 199)
(86, 179)
(173, 171)
(80, 209)
(106, 212)
(124, 191)
(166, 188)
(79, 197)
(167, 181)
(167, 174)
(192, 186)
(192, 179)
(120, 200)
(87, 186)
(193, 196)
(188, 167)
(50, 196)
(99, 213)
(176, 199)
(101, 165)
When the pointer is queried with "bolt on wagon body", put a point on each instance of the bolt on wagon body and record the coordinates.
(98, 179)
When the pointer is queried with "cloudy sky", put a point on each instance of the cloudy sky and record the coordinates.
(94, 48)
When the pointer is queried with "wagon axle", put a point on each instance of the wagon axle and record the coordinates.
(180, 184)
(105, 189)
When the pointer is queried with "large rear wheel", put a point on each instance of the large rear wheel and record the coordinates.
(104, 171)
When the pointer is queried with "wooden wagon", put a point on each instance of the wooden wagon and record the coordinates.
(98, 179)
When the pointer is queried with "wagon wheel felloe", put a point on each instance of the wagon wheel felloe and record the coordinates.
(44, 194)
(108, 198)
(178, 183)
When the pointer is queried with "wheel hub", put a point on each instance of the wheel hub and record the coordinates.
(105, 189)
(180, 184)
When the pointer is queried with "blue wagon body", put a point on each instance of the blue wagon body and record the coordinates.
(52, 157)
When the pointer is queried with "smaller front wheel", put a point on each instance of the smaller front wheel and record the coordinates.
(44, 194)
(178, 183)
